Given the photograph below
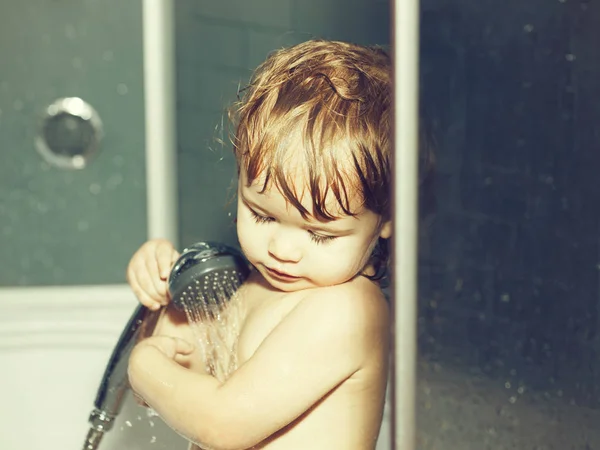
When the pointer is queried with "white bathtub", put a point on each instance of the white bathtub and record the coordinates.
(54, 345)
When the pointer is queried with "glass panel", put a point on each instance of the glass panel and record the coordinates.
(509, 259)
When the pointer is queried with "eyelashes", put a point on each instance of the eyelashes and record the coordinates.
(316, 238)
(320, 239)
(260, 219)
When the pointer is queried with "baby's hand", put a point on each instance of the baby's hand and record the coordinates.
(168, 346)
(149, 270)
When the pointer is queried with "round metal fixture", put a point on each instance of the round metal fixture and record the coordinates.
(70, 133)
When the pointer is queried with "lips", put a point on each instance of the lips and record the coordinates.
(281, 275)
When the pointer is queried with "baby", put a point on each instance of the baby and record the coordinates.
(313, 148)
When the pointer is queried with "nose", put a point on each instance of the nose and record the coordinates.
(283, 248)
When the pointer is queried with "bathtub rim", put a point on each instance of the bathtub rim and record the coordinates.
(63, 316)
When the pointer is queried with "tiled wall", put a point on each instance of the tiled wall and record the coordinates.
(64, 227)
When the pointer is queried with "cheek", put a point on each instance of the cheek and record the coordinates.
(242, 227)
(343, 260)
(248, 234)
(243, 231)
(358, 254)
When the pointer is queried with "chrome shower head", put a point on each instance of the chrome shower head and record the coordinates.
(206, 274)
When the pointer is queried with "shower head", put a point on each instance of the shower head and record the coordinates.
(206, 274)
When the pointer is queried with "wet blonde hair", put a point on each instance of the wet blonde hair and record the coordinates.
(322, 107)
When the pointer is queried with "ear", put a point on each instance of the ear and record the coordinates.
(386, 230)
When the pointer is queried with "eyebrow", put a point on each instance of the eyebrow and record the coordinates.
(252, 205)
(309, 225)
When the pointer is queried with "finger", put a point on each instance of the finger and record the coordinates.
(144, 281)
(135, 278)
(155, 286)
(141, 295)
(183, 347)
(174, 256)
(164, 253)
(171, 346)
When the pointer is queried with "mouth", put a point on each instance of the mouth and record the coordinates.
(281, 275)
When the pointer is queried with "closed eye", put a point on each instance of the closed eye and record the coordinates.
(320, 239)
(259, 218)
(316, 238)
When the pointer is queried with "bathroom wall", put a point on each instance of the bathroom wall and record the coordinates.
(70, 227)
(65, 235)
(509, 261)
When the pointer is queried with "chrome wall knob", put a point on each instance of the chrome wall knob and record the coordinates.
(70, 133)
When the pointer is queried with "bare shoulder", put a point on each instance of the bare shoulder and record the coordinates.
(356, 311)
(359, 300)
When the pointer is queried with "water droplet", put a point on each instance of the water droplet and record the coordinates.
(513, 399)
(528, 28)
(570, 57)
(153, 439)
(82, 225)
(507, 385)
(122, 89)
(95, 188)
(128, 423)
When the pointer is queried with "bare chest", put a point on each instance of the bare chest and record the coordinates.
(264, 312)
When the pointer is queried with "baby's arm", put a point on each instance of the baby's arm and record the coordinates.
(320, 344)
(147, 274)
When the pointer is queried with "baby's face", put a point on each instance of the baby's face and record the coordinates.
(294, 253)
